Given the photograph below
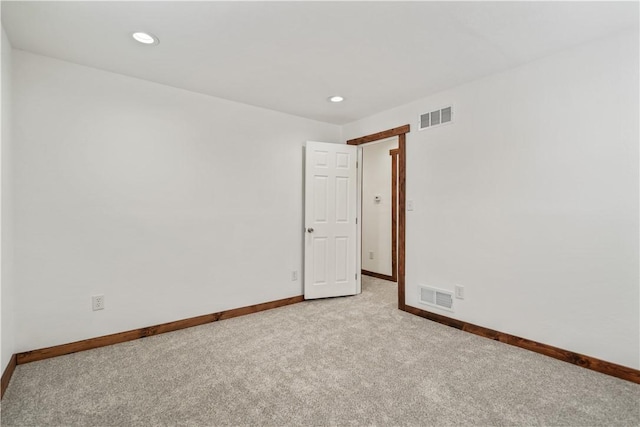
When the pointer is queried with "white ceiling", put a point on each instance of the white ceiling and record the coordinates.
(291, 56)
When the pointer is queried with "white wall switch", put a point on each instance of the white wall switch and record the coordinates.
(459, 292)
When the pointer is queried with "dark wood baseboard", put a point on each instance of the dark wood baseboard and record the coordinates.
(59, 350)
(588, 362)
(6, 375)
(378, 275)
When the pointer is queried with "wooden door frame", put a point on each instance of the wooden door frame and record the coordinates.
(401, 133)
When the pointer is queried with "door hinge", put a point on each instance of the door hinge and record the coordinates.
(356, 165)
(356, 220)
(356, 276)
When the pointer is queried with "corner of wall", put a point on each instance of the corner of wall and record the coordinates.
(7, 346)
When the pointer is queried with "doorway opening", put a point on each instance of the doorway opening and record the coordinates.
(400, 132)
(378, 187)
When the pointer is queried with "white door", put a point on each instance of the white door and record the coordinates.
(330, 221)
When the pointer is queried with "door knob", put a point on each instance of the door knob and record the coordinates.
(309, 230)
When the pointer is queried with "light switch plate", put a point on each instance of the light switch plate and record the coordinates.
(459, 291)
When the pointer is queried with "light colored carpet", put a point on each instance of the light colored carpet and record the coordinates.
(341, 361)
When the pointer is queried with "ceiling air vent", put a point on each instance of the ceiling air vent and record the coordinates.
(435, 118)
(436, 297)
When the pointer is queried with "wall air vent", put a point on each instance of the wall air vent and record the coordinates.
(435, 118)
(436, 297)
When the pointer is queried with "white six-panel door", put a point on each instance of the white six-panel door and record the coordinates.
(330, 220)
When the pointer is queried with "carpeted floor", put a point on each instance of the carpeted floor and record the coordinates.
(341, 361)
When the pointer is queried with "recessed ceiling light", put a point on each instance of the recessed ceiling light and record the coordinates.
(336, 98)
(145, 38)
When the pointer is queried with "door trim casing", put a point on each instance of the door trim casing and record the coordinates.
(401, 133)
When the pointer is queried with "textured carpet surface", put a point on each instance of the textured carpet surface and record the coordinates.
(341, 361)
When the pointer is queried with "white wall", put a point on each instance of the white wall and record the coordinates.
(170, 203)
(376, 217)
(529, 199)
(7, 346)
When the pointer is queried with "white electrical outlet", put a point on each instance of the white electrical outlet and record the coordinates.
(459, 291)
(294, 275)
(370, 254)
(97, 302)
(409, 205)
